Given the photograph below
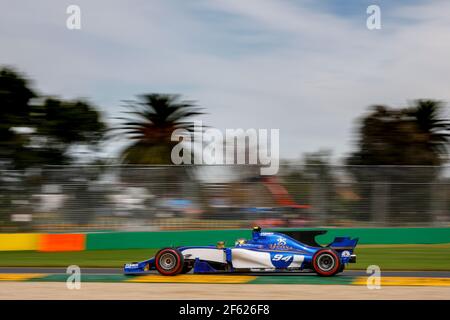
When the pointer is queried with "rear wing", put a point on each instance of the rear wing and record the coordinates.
(308, 237)
(343, 243)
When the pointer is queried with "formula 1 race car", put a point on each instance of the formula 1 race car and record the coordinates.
(265, 252)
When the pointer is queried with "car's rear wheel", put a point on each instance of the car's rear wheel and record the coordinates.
(169, 261)
(326, 262)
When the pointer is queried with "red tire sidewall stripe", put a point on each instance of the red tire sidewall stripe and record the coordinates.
(326, 273)
(175, 269)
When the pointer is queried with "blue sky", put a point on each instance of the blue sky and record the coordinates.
(309, 68)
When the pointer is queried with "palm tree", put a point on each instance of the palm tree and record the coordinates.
(434, 128)
(153, 119)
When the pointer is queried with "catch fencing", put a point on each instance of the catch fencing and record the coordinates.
(150, 198)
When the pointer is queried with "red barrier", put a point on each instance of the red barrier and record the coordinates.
(62, 242)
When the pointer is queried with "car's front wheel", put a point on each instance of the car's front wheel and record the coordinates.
(169, 261)
(326, 262)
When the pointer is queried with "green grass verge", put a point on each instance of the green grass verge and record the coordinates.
(388, 257)
(404, 257)
(92, 258)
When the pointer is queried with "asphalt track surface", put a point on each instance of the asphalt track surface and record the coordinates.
(182, 291)
(113, 271)
(416, 285)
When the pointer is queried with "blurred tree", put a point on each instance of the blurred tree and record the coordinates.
(15, 96)
(60, 126)
(399, 140)
(310, 186)
(15, 107)
(153, 119)
(41, 133)
(35, 132)
(318, 164)
(434, 129)
(410, 136)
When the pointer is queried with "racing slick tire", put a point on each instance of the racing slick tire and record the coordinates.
(169, 261)
(326, 262)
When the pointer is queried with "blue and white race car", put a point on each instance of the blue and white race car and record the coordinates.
(265, 252)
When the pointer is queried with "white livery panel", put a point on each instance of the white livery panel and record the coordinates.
(249, 259)
(297, 261)
(207, 254)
